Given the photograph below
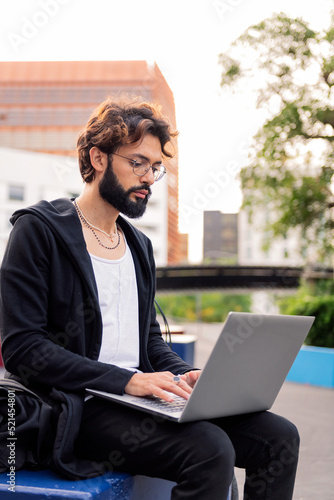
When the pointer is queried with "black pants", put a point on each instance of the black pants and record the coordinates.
(199, 456)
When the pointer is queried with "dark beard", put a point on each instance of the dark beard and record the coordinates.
(113, 193)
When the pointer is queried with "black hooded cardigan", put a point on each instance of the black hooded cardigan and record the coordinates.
(51, 321)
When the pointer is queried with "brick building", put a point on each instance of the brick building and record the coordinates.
(44, 105)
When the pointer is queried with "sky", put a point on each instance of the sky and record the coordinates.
(184, 38)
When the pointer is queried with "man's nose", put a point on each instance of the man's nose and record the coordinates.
(148, 177)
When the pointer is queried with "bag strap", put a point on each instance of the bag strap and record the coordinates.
(14, 385)
(167, 329)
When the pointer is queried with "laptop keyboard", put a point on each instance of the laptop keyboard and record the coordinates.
(176, 405)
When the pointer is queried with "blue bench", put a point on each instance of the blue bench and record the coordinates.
(38, 485)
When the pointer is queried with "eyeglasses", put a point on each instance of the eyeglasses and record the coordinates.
(142, 166)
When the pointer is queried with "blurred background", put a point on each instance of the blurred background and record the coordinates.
(249, 85)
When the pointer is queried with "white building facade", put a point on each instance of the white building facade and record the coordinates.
(252, 237)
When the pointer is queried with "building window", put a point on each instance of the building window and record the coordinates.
(16, 192)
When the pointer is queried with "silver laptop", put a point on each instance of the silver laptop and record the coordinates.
(243, 374)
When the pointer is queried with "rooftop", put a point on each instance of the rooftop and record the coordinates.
(73, 71)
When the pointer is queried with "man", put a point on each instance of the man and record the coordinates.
(78, 284)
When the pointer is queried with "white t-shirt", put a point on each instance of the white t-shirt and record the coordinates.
(118, 299)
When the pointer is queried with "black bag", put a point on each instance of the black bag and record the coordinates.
(45, 433)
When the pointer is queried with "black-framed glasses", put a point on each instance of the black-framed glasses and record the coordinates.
(142, 166)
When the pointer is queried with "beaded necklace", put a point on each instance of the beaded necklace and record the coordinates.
(90, 226)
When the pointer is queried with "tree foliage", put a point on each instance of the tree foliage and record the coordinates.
(314, 300)
(290, 170)
(207, 307)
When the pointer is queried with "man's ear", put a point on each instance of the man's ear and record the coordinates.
(98, 159)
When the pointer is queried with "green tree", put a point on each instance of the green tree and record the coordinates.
(290, 170)
(314, 300)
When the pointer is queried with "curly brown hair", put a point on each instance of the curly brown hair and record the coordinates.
(118, 122)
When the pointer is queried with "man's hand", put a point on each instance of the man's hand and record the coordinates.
(191, 377)
(146, 384)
